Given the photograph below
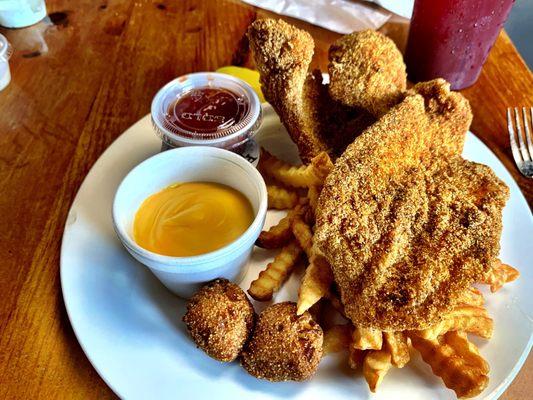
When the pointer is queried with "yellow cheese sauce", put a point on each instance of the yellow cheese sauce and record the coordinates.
(191, 218)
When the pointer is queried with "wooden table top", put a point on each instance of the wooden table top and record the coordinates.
(77, 85)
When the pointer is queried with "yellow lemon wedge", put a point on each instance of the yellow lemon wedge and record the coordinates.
(250, 76)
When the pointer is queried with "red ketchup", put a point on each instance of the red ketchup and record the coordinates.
(451, 39)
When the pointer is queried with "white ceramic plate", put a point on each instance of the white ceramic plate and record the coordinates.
(130, 326)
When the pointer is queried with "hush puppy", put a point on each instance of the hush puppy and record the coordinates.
(220, 319)
(283, 346)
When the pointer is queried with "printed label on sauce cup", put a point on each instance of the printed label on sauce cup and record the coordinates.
(208, 109)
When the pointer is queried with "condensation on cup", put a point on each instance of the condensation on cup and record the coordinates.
(21, 13)
(5, 53)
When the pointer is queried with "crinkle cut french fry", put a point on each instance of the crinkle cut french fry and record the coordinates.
(290, 175)
(337, 338)
(471, 297)
(499, 275)
(303, 233)
(276, 272)
(451, 365)
(367, 338)
(322, 166)
(355, 357)
(312, 194)
(398, 347)
(471, 319)
(277, 236)
(315, 283)
(375, 366)
(466, 350)
(281, 198)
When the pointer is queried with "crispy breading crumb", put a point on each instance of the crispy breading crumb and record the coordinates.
(284, 346)
(220, 319)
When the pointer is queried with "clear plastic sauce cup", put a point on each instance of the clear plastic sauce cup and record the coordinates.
(208, 109)
(5, 53)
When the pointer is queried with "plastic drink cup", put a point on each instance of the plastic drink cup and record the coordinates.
(451, 39)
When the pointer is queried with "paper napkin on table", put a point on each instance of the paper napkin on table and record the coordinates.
(343, 16)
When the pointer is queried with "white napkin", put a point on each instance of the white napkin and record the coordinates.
(343, 16)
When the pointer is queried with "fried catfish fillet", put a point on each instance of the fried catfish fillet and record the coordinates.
(449, 115)
(315, 122)
(282, 54)
(405, 223)
(367, 71)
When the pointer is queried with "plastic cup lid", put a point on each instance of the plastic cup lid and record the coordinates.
(174, 130)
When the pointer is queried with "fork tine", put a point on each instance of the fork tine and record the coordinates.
(514, 147)
(523, 150)
(527, 127)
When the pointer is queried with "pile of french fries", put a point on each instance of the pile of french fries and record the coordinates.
(295, 189)
(444, 346)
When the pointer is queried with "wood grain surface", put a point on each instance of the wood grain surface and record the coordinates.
(78, 83)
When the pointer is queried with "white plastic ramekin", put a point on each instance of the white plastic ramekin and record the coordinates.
(184, 275)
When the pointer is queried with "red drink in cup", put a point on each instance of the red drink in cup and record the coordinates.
(451, 39)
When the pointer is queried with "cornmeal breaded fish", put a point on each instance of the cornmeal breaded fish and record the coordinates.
(315, 122)
(404, 221)
(449, 115)
(367, 71)
(282, 54)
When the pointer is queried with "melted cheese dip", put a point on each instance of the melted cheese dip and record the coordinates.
(192, 218)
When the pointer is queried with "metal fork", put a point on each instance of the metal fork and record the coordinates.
(523, 150)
